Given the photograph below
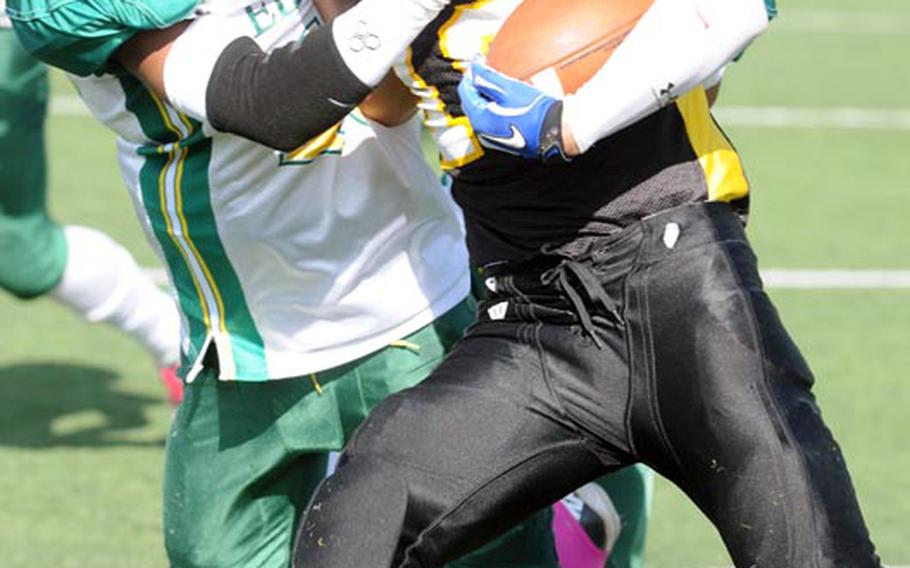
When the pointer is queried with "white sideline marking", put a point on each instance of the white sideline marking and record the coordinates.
(844, 118)
(765, 117)
(842, 22)
(773, 278)
(836, 279)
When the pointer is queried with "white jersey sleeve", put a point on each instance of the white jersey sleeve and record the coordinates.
(4, 19)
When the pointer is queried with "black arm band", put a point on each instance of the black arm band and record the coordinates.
(284, 98)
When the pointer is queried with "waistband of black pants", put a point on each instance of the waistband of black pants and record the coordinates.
(647, 240)
(585, 278)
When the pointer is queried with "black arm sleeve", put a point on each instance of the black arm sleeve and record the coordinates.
(286, 97)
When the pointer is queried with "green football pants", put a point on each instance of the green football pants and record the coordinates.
(32, 247)
(630, 489)
(244, 458)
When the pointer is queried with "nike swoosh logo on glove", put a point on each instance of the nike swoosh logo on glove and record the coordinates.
(516, 140)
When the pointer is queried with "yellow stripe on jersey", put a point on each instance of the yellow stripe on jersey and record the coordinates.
(444, 34)
(178, 191)
(433, 110)
(186, 122)
(162, 199)
(329, 141)
(720, 162)
(461, 145)
(178, 207)
(165, 116)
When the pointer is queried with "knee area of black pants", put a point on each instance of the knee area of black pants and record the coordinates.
(361, 529)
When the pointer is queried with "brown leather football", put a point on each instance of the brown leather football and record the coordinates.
(568, 40)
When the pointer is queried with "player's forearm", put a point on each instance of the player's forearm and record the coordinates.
(295, 92)
(391, 103)
(676, 46)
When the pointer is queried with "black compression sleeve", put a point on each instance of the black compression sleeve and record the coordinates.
(286, 97)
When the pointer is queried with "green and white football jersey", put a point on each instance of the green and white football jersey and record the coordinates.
(286, 264)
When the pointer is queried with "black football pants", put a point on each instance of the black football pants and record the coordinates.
(657, 346)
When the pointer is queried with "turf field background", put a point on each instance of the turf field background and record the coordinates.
(83, 420)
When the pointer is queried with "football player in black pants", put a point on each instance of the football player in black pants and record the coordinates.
(626, 321)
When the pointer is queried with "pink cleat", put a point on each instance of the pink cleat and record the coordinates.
(585, 527)
(172, 383)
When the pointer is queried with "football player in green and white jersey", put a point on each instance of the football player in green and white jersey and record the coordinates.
(78, 266)
(314, 281)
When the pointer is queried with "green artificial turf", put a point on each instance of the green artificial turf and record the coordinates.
(83, 419)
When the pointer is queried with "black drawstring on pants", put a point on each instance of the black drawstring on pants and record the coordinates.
(591, 287)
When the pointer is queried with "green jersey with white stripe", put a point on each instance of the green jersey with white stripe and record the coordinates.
(82, 36)
(285, 264)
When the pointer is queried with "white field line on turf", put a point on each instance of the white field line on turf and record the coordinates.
(773, 278)
(855, 22)
(842, 118)
(836, 279)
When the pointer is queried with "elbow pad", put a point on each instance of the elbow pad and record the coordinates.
(374, 33)
(286, 97)
(676, 46)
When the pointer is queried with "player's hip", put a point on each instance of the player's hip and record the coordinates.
(673, 245)
(676, 291)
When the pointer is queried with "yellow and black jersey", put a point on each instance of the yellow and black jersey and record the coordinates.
(513, 206)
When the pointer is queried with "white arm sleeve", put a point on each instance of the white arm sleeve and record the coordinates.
(190, 61)
(676, 46)
(371, 35)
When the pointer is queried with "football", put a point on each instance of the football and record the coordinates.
(558, 46)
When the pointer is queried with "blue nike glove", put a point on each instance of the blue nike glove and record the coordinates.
(511, 115)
